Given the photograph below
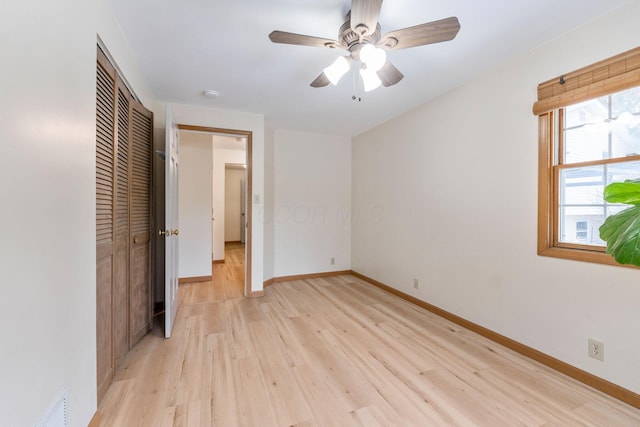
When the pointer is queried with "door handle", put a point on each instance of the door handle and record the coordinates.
(175, 232)
(163, 232)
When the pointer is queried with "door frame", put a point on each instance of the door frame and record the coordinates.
(248, 245)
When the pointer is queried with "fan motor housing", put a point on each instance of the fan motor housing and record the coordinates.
(349, 38)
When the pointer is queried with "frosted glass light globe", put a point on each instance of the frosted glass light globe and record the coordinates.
(373, 57)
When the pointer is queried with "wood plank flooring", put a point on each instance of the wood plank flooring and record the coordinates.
(338, 352)
(227, 280)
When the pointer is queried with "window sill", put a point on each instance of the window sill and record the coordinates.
(581, 255)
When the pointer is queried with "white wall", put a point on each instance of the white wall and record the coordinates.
(222, 156)
(110, 37)
(448, 194)
(47, 194)
(233, 204)
(210, 117)
(268, 204)
(194, 204)
(312, 198)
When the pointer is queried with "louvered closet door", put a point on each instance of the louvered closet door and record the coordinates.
(105, 152)
(121, 257)
(141, 143)
(123, 224)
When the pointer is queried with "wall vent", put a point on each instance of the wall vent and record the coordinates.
(57, 415)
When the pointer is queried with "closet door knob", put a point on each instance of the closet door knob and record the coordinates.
(163, 232)
(175, 232)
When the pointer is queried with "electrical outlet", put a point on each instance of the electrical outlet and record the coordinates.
(416, 283)
(333, 261)
(596, 349)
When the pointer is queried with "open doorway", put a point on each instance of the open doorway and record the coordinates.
(230, 257)
(229, 276)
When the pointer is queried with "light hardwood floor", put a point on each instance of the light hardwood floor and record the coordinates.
(227, 283)
(339, 352)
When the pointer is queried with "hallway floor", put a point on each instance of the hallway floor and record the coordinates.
(227, 283)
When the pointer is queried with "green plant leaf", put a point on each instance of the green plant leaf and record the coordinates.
(627, 192)
(622, 234)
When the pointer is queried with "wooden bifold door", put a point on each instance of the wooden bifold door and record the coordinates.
(124, 130)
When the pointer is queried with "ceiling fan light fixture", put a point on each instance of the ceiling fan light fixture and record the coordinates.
(361, 36)
(370, 79)
(374, 57)
(339, 68)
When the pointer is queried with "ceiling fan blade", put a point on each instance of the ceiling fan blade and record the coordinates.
(321, 81)
(389, 74)
(431, 32)
(364, 16)
(302, 40)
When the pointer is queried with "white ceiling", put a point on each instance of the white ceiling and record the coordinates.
(187, 46)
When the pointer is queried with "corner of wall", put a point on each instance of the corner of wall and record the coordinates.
(269, 195)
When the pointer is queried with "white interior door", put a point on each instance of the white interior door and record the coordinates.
(171, 223)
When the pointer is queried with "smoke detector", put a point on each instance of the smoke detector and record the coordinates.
(210, 93)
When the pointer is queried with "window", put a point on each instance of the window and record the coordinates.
(598, 141)
(582, 228)
(589, 137)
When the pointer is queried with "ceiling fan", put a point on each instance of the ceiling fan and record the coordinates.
(360, 35)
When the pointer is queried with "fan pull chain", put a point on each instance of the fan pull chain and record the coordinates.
(355, 96)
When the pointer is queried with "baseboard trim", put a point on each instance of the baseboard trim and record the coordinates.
(95, 420)
(217, 261)
(304, 276)
(584, 377)
(183, 280)
(256, 294)
(268, 282)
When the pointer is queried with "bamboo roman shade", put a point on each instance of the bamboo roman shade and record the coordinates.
(602, 78)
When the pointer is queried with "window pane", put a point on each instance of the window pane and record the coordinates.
(603, 128)
(587, 113)
(581, 225)
(625, 134)
(625, 126)
(627, 101)
(586, 131)
(582, 208)
(586, 143)
(619, 172)
(582, 186)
